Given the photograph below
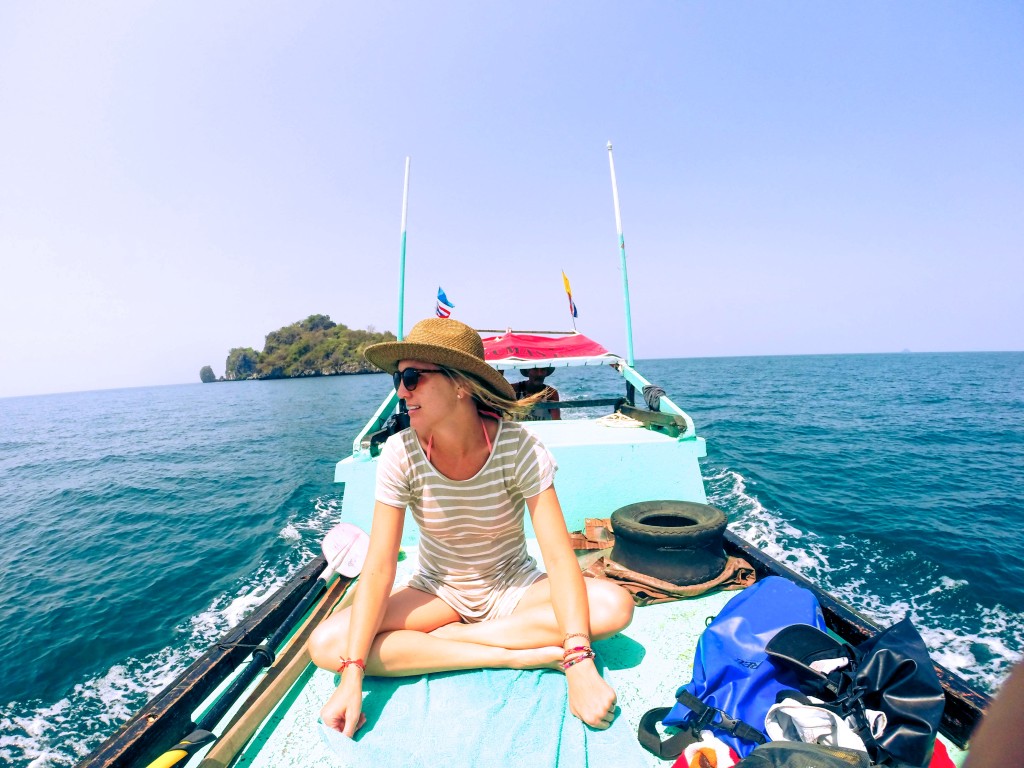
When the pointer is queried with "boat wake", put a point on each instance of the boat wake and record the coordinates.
(977, 641)
(37, 734)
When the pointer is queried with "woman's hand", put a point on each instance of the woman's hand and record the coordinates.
(591, 699)
(344, 710)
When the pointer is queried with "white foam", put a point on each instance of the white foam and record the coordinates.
(981, 655)
(33, 733)
(37, 733)
(25, 738)
(243, 605)
(227, 611)
(45, 759)
(945, 583)
(324, 506)
(119, 689)
(326, 514)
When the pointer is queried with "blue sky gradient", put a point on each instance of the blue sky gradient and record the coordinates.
(177, 179)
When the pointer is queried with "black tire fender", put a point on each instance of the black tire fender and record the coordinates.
(670, 523)
(680, 542)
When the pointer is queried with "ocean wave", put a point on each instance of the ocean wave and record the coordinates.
(33, 733)
(976, 641)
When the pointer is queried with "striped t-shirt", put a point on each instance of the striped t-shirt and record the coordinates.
(472, 544)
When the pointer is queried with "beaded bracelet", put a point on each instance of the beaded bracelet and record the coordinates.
(580, 649)
(584, 635)
(352, 663)
(587, 654)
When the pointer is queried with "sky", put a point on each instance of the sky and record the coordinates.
(180, 178)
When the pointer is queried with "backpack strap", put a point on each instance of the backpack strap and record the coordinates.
(851, 708)
(707, 717)
(670, 748)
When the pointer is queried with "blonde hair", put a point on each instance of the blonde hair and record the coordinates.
(491, 400)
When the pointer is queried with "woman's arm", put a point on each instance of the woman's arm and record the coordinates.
(591, 699)
(376, 579)
(343, 710)
(568, 592)
(556, 413)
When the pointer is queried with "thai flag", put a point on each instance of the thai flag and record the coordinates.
(444, 307)
(568, 292)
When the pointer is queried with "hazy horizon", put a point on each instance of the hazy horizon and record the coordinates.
(639, 363)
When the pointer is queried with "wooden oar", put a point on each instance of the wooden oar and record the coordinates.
(291, 663)
(342, 545)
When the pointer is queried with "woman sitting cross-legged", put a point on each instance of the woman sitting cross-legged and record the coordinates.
(477, 599)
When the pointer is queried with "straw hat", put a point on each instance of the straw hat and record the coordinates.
(447, 343)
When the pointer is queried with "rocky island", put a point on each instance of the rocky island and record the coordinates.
(316, 346)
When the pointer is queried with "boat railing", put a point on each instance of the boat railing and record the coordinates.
(674, 425)
(375, 440)
(668, 418)
(376, 423)
(593, 402)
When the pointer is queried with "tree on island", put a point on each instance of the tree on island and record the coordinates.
(206, 374)
(241, 363)
(316, 346)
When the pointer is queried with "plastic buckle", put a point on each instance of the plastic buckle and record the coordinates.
(707, 718)
(726, 723)
(849, 702)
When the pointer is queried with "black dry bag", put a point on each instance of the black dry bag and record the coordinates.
(890, 673)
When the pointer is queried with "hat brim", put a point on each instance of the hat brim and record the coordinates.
(802, 644)
(798, 646)
(387, 354)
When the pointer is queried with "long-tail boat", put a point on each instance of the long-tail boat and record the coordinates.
(253, 699)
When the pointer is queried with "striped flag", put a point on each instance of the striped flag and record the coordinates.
(568, 292)
(444, 307)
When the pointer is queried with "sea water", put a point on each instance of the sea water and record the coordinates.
(138, 525)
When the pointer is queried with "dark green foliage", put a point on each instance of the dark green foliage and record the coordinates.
(241, 363)
(316, 346)
(317, 323)
(206, 374)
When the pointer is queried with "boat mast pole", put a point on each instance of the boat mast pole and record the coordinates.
(401, 265)
(622, 257)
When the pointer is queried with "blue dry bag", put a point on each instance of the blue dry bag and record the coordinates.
(734, 680)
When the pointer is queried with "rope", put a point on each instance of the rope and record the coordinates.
(618, 420)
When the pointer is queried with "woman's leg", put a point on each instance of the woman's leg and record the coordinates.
(533, 625)
(403, 647)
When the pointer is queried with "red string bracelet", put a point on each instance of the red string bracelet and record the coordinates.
(352, 663)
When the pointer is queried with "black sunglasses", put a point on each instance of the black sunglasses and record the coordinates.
(410, 377)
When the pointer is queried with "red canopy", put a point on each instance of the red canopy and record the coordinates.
(524, 346)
